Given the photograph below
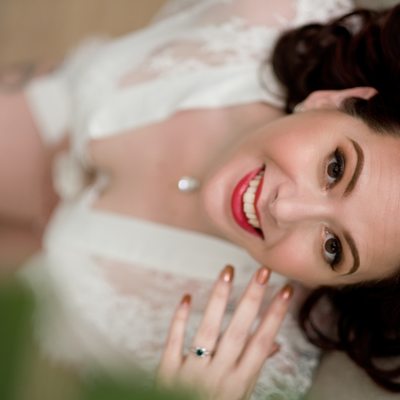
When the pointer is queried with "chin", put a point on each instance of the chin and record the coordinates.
(216, 201)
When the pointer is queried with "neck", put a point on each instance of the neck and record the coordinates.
(151, 193)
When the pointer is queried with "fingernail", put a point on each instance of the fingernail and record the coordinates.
(186, 300)
(227, 274)
(262, 275)
(286, 292)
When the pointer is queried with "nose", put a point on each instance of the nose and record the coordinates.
(301, 208)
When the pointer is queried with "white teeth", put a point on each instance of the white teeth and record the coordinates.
(252, 189)
(249, 208)
(249, 198)
(254, 222)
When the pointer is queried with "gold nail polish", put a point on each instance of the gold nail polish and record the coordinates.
(186, 300)
(227, 274)
(287, 292)
(262, 275)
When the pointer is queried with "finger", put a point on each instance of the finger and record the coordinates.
(262, 342)
(210, 326)
(237, 333)
(172, 355)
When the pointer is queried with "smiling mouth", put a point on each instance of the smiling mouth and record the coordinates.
(244, 201)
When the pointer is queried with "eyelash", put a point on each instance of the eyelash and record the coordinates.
(332, 258)
(339, 161)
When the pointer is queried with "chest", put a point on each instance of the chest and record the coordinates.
(145, 165)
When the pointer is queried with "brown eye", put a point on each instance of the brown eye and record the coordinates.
(335, 168)
(332, 249)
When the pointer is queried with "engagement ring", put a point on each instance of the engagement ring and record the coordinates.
(200, 351)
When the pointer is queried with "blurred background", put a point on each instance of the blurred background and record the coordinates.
(27, 374)
(43, 30)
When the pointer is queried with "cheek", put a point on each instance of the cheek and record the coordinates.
(289, 150)
(288, 134)
(294, 257)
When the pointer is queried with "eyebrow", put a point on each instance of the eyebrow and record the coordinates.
(354, 252)
(357, 169)
(350, 187)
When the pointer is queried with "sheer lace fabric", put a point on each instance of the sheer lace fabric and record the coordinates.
(202, 54)
(109, 284)
(111, 314)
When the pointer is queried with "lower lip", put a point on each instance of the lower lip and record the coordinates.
(237, 202)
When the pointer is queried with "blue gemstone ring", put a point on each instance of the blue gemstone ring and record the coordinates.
(200, 352)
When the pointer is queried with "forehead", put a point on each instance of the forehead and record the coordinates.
(374, 207)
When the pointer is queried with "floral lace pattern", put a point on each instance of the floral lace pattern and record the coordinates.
(198, 53)
(221, 37)
(205, 54)
(118, 315)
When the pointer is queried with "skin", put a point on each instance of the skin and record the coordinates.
(298, 206)
(299, 202)
(298, 211)
(232, 370)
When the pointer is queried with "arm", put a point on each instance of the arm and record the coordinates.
(28, 197)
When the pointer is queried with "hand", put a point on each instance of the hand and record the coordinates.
(232, 362)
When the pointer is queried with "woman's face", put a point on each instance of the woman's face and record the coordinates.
(328, 201)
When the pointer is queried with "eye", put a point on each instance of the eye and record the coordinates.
(335, 168)
(332, 249)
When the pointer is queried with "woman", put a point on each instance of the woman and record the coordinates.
(182, 103)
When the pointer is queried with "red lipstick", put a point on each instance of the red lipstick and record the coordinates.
(237, 202)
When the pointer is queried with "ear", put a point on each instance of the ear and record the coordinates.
(334, 98)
